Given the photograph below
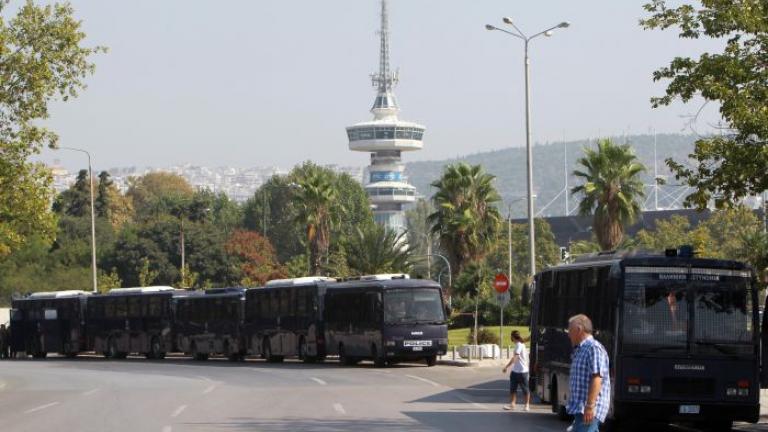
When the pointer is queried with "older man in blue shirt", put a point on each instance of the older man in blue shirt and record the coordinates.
(590, 382)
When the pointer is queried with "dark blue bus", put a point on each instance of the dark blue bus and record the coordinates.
(682, 334)
(386, 319)
(208, 322)
(49, 322)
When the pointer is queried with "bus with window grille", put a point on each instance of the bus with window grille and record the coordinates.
(131, 320)
(284, 319)
(49, 322)
(385, 319)
(682, 334)
(208, 323)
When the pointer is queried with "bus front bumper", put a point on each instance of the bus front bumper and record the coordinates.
(671, 411)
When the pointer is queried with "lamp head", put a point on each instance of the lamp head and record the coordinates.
(548, 33)
(564, 24)
(489, 27)
(508, 20)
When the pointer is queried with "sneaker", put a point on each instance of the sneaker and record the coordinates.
(527, 407)
(509, 407)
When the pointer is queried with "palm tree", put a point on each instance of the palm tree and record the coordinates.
(466, 220)
(314, 197)
(611, 190)
(377, 249)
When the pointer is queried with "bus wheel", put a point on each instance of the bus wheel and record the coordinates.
(112, 349)
(155, 350)
(556, 407)
(303, 349)
(378, 361)
(431, 361)
(343, 359)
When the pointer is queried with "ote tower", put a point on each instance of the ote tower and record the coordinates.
(385, 138)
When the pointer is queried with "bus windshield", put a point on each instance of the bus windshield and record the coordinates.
(677, 310)
(420, 305)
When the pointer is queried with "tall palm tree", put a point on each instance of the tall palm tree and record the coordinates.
(377, 249)
(466, 219)
(314, 197)
(611, 189)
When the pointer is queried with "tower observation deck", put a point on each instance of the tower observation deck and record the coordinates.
(385, 138)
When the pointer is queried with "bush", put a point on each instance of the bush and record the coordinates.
(484, 336)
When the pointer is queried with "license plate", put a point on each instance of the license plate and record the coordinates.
(418, 348)
(417, 343)
(689, 409)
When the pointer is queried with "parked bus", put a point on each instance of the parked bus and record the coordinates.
(49, 322)
(681, 333)
(208, 322)
(284, 319)
(385, 318)
(131, 320)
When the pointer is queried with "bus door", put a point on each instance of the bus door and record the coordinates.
(764, 345)
(51, 330)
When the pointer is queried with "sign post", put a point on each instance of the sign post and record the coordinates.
(501, 285)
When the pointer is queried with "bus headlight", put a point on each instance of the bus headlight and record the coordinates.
(389, 343)
(743, 392)
(442, 341)
(731, 392)
(645, 389)
(633, 388)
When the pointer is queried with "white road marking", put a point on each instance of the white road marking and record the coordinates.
(204, 378)
(41, 407)
(475, 404)
(90, 392)
(339, 408)
(167, 429)
(319, 381)
(210, 388)
(178, 411)
(430, 382)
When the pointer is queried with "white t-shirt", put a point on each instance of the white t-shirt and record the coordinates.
(521, 364)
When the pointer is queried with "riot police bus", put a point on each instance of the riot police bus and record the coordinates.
(49, 322)
(682, 334)
(131, 320)
(284, 319)
(208, 322)
(386, 319)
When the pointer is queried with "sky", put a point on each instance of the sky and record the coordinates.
(247, 83)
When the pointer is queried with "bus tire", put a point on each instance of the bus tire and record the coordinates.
(196, 355)
(344, 360)
(431, 361)
(155, 349)
(112, 352)
(378, 361)
(304, 352)
(558, 409)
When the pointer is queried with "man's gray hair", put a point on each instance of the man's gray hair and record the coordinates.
(581, 321)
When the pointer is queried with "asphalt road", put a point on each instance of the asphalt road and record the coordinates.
(179, 395)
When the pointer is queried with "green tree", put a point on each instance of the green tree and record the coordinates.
(158, 193)
(466, 220)
(611, 189)
(41, 59)
(733, 165)
(421, 241)
(75, 201)
(314, 198)
(376, 249)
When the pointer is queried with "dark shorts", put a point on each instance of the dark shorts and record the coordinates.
(518, 379)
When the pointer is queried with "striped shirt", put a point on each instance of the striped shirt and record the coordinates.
(589, 359)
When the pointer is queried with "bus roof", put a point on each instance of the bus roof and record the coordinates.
(299, 281)
(645, 258)
(58, 294)
(387, 283)
(141, 290)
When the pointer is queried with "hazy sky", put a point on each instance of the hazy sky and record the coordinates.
(274, 82)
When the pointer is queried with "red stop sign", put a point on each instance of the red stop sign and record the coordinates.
(501, 283)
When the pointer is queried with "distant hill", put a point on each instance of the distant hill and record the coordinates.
(508, 165)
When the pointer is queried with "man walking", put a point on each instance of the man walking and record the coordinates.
(590, 382)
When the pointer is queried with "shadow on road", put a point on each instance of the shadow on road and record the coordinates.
(311, 425)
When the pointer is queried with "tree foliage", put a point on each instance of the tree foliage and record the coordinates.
(254, 257)
(375, 249)
(734, 165)
(41, 58)
(610, 191)
(466, 220)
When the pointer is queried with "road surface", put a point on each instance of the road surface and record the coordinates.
(180, 395)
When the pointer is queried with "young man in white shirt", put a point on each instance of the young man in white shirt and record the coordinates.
(519, 375)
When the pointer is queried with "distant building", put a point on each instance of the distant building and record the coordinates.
(385, 138)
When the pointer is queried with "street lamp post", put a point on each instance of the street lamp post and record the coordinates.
(447, 264)
(529, 152)
(93, 218)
